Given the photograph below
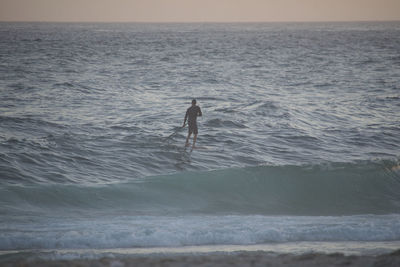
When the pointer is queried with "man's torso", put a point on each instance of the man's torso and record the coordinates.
(192, 114)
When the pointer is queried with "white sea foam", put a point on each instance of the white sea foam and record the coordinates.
(161, 231)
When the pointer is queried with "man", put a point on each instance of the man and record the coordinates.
(191, 115)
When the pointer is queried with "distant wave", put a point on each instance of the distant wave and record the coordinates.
(222, 123)
(335, 189)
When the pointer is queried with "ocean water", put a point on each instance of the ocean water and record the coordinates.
(299, 139)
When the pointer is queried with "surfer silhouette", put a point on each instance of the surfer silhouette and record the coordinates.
(191, 117)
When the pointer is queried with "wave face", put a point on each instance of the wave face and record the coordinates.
(335, 189)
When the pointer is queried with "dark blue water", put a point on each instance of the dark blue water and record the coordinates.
(300, 129)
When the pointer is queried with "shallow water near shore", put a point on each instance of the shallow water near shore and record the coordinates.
(289, 254)
(295, 248)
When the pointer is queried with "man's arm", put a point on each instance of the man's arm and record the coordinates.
(199, 113)
(184, 121)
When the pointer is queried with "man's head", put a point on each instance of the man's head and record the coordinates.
(194, 102)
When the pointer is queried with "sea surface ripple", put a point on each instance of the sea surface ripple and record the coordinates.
(103, 103)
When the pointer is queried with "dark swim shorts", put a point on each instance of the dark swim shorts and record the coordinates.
(193, 127)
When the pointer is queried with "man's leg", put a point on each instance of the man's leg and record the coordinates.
(187, 139)
(194, 139)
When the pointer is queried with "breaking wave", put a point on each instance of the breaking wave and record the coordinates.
(334, 189)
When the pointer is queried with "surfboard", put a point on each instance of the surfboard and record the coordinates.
(196, 147)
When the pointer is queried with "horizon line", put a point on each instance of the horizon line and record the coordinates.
(194, 22)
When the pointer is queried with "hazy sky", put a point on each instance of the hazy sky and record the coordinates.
(198, 10)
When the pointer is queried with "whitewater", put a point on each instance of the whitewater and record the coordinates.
(299, 136)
